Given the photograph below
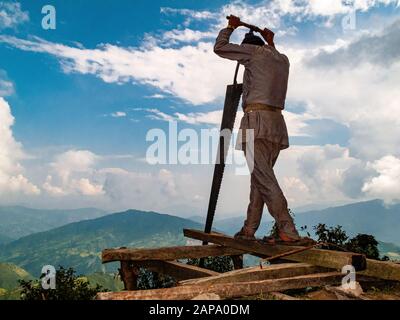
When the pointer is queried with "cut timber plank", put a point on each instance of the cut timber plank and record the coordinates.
(318, 257)
(227, 290)
(177, 270)
(237, 262)
(284, 270)
(129, 275)
(168, 254)
(382, 269)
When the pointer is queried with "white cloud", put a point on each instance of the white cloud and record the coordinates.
(156, 114)
(321, 169)
(70, 173)
(362, 94)
(296, 123)
(87, 188)
(6, 88)
(118, 114)
(11, 15)
(167, 180)
(185, 35)
(12, 179)
(6, 85)
(156, 96)
(387, 184)
(192, 73)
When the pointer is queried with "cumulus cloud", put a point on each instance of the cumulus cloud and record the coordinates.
(362, 96)
(11, 15)
(12, 179)
(387, 184)
(186, 35)
(186, 70)
(156, 188)
(382, 48)
(322, 170)
(70, 173)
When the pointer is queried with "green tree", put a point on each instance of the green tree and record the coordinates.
(365, 244)
(69, 286)
(334, 236)
(337, 239)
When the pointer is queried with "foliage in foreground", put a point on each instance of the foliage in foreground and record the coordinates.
(69, 286)
(362, 243)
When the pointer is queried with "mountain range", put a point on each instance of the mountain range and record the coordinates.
(79, 244)
(18, 221)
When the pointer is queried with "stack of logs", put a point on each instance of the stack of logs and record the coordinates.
(311, 268)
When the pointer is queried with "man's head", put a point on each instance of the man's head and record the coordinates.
(251, 38)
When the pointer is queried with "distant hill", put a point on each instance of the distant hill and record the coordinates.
(370, 217)
(17, 222)
(79, 244)
(10, 274)
(106, 280)
(389, 249)
(4, 239)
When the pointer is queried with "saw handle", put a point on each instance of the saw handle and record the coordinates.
(250, 26)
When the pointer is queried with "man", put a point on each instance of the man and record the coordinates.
(264, 92)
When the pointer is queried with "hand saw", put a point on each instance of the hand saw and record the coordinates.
(232, 98)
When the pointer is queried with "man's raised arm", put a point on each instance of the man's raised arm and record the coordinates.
(231, 51)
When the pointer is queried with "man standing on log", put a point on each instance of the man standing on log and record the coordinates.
(265, 84)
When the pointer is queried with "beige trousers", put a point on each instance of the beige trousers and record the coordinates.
(265, 189)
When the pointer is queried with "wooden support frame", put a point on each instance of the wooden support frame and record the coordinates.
(227, 290)
(237, 261)
(284, 270)
(177, 270)
(324, 258)
(382, 269)
(129, 275)
(168, 254)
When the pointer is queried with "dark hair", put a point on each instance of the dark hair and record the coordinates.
(251, 38)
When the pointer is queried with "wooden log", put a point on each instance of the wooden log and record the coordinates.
(324, 258)
(382, 269)
(237, 261)
(284, 270)
(227, 290)
(177, 270)
(129, 275)
(168, 254)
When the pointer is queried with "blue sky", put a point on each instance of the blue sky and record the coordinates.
(84, 96)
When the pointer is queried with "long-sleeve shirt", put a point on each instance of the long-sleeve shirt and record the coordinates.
(265, 81)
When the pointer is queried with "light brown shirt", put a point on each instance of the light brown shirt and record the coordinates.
(265, 80)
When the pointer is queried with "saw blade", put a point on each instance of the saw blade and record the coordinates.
(232, 98)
